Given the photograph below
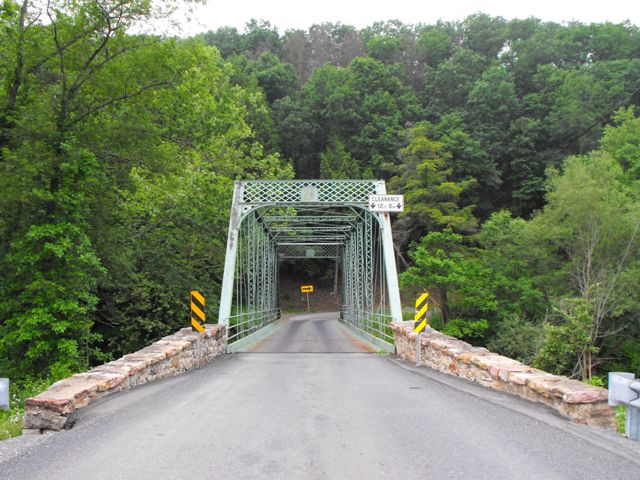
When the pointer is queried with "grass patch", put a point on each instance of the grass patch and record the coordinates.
(11, 421)
(621, 418)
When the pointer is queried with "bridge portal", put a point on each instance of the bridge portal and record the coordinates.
(278, 220)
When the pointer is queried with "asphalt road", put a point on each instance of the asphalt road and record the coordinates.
(280, 413)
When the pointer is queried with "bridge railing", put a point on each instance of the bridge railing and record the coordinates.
(376, 325)
(244, 324)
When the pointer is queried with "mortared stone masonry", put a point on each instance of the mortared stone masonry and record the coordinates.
(578, 401)
(53, 409)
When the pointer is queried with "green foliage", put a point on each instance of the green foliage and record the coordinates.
(459, 283)
(118, 153)
(336, 162)
(116, 158)
(597, 381)
(431, 195)
(466, 329)
(434, 45)
(566, 337)
(621, 419)
(384, 48)
(277, 79)
(516, 338)
(53, 271)
(622, 141)
(11, 420)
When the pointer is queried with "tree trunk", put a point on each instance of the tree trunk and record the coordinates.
(403, 260)
(16, 81)
(444, 305)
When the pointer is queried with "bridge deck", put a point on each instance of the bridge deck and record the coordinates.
(310, 333)
(317, 416)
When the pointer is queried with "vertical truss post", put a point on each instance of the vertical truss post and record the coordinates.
(389, 260)
(226, 295)
(251, 270)
(368, 270)
(358, 274)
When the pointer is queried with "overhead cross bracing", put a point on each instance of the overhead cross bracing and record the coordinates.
(273, 221)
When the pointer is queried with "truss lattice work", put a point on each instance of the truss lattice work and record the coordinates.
(296, 219)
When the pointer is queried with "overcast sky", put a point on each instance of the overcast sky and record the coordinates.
(288, 14)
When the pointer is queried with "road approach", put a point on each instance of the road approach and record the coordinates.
(311, 402)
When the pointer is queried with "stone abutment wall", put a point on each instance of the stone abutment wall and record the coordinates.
(573, 399)
(53, 409)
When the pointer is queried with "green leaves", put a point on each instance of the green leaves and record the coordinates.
(622, 141)
(432, 198)
(568, 337)
(116, 169)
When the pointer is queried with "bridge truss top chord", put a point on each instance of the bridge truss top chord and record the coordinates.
(302, 219)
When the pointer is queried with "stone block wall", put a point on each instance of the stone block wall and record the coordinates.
(573, 399)
(170, 356)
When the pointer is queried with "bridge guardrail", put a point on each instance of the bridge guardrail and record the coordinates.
(624, 389)
(376, 325)
(242, 325)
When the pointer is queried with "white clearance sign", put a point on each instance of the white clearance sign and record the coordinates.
(386, 203)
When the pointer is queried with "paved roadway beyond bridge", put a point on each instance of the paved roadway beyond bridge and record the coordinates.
(310, 401)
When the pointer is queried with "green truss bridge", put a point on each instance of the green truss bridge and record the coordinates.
(309, 219)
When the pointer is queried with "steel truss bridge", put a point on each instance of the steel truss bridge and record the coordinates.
(306, 219)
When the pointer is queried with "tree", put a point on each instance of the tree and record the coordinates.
(260, 37)
(462, 285)
(484, 34)
(277, 79)
(468, 160)
(52, 268)
(431, 197)
(384, 48)
(621, 140)
(594, 219)
(337, 163)
(454, 79)
(227, 40)
(120, 143)
(435, 44)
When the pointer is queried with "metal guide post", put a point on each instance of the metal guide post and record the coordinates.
(4, 394)
(198, 349)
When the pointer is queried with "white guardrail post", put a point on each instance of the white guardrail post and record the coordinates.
(4, 394)
(624, 389)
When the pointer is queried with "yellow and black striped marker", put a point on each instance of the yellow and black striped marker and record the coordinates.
(197, 311)
(420, 318)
